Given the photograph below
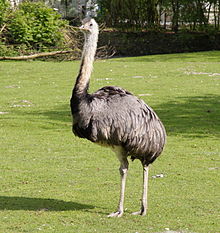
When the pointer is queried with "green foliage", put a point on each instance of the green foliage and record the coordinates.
(36, 25)
(3, 10)
(7, 50)
(14, 50)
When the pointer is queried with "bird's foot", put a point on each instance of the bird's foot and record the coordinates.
(140, 212)
(116, 214)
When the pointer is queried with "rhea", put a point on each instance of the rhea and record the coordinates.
(114, 117)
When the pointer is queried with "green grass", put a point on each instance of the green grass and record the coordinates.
(51, 181)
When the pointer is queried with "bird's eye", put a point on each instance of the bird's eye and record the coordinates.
(90, 24)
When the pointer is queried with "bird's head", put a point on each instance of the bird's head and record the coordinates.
(89, 26)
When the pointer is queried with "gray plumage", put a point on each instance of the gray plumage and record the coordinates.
(114, 117)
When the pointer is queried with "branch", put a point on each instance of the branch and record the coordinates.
(1, 30)
(36, 55)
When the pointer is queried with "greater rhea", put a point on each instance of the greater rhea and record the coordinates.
(114, 117)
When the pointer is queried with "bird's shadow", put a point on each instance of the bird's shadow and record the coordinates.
(40, 204)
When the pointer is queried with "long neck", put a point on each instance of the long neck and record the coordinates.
(88, 54)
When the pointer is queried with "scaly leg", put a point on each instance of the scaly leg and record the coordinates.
(123, 172)
(143, 209)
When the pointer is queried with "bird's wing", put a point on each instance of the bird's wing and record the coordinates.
(119, 117)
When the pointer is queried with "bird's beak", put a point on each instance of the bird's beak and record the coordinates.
(82, 28)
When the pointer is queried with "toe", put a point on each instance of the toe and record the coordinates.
(142, 213)
(115, 214)
(136, 213)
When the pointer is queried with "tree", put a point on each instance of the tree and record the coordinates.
(142, 14)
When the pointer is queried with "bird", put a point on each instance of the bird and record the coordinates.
(114, 117)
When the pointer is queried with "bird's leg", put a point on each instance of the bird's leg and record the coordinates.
(143, 209)
(123, 172)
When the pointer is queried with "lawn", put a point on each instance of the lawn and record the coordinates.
(51, 181)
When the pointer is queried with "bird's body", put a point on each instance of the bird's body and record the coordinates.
(114, 117)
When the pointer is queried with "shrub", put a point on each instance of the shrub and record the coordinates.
(36, 25)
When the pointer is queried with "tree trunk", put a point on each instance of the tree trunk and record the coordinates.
(218, 15)
(165, 20)
(175, 19)
(215, 16)
(209, 9)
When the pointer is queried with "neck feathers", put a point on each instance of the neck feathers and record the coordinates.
(86, 66)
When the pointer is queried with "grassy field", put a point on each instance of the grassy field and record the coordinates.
(51, 181)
